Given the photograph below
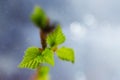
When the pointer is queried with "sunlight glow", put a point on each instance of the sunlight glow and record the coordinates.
(77, 30)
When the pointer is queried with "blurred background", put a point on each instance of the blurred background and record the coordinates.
(92, 28)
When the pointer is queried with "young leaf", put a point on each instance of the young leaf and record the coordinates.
(39, 17)
(56, 37)
(48, 56)
(66, 54)
(32, 58)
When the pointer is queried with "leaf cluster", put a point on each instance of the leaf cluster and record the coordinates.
(34, 56)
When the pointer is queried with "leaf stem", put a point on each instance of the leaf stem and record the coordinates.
(43, 36)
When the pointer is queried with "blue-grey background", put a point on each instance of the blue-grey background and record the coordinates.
(92, 28)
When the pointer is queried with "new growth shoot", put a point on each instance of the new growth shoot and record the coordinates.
(51, 37)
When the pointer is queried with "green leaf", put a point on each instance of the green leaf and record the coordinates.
(66, 54)
(48, 56)
(39, 17)
(56, 37)
(32, 58)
